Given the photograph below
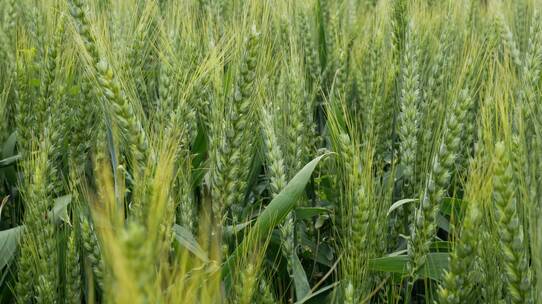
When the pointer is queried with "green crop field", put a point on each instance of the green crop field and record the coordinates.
(270, 151)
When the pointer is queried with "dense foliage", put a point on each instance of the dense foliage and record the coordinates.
(270, 151)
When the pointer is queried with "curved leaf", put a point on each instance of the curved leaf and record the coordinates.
(319, 291)
(274, 213)
(9, 160)
(400, 203)
(9, 240)
(232, 230)
(302, 287)
(2, 204)
(452, 207)
(437, 262)
(60, 209)
(187, 240)
(443, 223)
(8, 149)
(308, 212)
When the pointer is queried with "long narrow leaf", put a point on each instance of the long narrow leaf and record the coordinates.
(275, 213)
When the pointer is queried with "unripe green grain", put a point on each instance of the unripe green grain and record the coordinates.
(518, 277)
(73, 272)
(229, 184)
(312, 63)
(24, 288)
(84, 109)
(134, 250)
(39, 235)
(296, 144)
(468, 122)
(265, 294)
(277, 181)
(49, 64)
(508, 41)
(430, 105)
(530, 75)
(458, 281)
(409, 116)
(521, 21)
(82, 136)
(287, 232)
(277, 174)
(186, 213)
(408, 129)
(44, 291)
(424, 225)
(361, 222)
(130, 126)
(520, 167)
(535, 190)
(349, 293)
(357, 220)
(136, 55)
(11, 16)
(367, 83)
(53, 105)
(247, 284)
(165, 93)
(79, 12)
(469, 133)
(92, 251)
(341, 74)
(399, 23)
(26, 96)
(7, 52)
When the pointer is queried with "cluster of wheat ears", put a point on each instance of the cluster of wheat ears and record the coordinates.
(270, 151)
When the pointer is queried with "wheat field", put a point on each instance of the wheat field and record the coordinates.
(270, 151)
